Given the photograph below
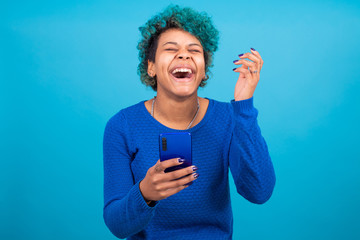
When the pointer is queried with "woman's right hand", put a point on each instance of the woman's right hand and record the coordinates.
(158, 185)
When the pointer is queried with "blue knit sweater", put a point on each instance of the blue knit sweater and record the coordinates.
(227, 137)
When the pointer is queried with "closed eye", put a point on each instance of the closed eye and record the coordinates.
(194, 50)
(171, 49)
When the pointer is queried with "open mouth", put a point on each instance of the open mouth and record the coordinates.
(182, 74)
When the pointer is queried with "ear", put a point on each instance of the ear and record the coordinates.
(206, 77)
(151, 69)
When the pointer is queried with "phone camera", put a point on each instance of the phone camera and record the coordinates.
(164, 144)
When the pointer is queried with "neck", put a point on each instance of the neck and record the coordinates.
(179, 111)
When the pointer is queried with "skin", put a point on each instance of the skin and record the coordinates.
(176, 102)
(158, 185)
(247, 81)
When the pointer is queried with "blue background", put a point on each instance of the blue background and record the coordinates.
(67, 66)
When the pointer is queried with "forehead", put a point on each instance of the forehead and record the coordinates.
(178, 36)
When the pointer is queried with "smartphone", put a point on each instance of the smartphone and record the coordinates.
(176, 145)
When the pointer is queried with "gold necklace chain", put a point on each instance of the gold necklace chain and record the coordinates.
(197, 111)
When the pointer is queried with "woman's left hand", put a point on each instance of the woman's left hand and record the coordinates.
(249, 75)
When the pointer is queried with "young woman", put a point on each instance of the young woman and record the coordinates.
(142, 201)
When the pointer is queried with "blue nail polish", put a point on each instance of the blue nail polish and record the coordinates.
(241, 55)
(235, 61)
(195, 168)
(196, 175)
(253, 49)
(234, 69)
(181, 160)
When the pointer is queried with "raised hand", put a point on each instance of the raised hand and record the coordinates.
(249, 74)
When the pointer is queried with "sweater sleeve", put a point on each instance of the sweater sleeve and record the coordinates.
(125, 210)
(249, 159)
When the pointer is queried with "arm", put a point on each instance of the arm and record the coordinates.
(125, 210)
(249, 159)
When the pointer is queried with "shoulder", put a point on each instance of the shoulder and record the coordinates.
(126, 114)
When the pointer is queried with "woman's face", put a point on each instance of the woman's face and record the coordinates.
(179, 63)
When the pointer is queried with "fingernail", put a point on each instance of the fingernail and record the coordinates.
(195, 168)
(253, 49)
(241, 55)
(235, 61)
(181, 160)
(234, 69)
(196, 175)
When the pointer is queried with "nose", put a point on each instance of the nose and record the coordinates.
(183, 55)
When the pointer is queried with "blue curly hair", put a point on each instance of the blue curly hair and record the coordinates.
(187, 19)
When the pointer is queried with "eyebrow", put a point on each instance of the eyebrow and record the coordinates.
(175, 43)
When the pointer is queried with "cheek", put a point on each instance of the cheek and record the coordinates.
(201, 67)
(163, 64)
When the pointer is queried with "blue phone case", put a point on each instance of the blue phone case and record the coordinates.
(176, 145)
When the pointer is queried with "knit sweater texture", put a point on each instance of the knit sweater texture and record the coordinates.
(228, 137)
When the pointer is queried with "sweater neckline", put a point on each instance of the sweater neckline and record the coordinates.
(165, 128)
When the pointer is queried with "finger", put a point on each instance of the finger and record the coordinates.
(179, 182)
(256, 60)
(252, 66)
(252, 70)
(247, 63)
(246, 72)
(189, 183)
(177, 174)
(251, 57)
(242, 75)
(244, 67)
(256, 53)
(158, 167)
(169, 163)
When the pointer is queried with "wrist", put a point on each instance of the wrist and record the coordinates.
(150, 203)
(145, 199)
(243, 96)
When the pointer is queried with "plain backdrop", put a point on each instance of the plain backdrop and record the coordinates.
(66, 67)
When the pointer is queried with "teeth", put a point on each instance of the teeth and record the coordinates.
(182, 70)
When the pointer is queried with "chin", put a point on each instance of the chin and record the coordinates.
(184, 87)
(184, 91)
